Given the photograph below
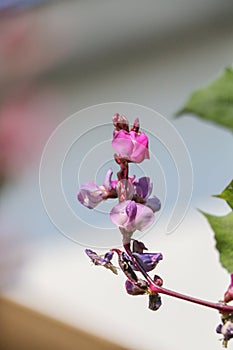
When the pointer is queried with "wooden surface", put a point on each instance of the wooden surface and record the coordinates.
(22, 328)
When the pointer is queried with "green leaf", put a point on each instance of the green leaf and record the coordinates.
(223, 230)
(214, 102)
(227, 194)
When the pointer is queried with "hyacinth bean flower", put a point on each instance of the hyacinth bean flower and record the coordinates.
(226, 330)
(132, 146)
(135, 289)
(90, 194)
(143, 188)
(102, 261)
(130, 216)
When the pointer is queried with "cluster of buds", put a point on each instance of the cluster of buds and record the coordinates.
(133, 284)
(226, 327)
(136, 210)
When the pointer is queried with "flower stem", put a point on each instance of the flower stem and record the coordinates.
(223, 308)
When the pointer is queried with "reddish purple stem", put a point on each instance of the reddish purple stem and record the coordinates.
(223, 308)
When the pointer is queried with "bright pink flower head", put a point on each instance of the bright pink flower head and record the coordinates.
(132, 146)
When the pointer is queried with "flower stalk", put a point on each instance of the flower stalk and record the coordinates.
(135, 210)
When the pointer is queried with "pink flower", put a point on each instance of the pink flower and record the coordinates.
(130, 216)
(132, 146)
(90, 195)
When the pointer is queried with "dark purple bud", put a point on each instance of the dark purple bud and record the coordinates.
(138, 247)
(120, 122)
(108, 256)
(158, 280)
(138, 288)
(219, 328)
(148, 260)
(154, 302)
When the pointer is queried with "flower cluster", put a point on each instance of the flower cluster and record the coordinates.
(133, 284)
(135, 210)
(136, 206)
(226, 327)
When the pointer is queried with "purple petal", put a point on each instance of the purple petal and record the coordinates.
(118, 214)
(131, 210)
(153, 203)
(134, 289)
(96, 259)
(148, 260)
(108, 256)
(90, 195)
(127, 219)
(107, 180)
(144, 218)
(143, 187)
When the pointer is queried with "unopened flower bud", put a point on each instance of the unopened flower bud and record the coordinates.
(158, 280)
(138, 247)
(120, 122)
(228, 296)
(138, 288)
(154, 302)
(136, 125)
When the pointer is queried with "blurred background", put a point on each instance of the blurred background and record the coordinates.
(58, 57)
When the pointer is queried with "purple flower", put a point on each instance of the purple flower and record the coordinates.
(226, 330)
(102, 261)
(143, 188)
(138, 288)
(132, 146)
(148, 260)
(90, 194)
(130, 216)
(228, 296)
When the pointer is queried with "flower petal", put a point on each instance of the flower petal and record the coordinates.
(144, 218)
(90, 195)
(122, 143)
(153, 203)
